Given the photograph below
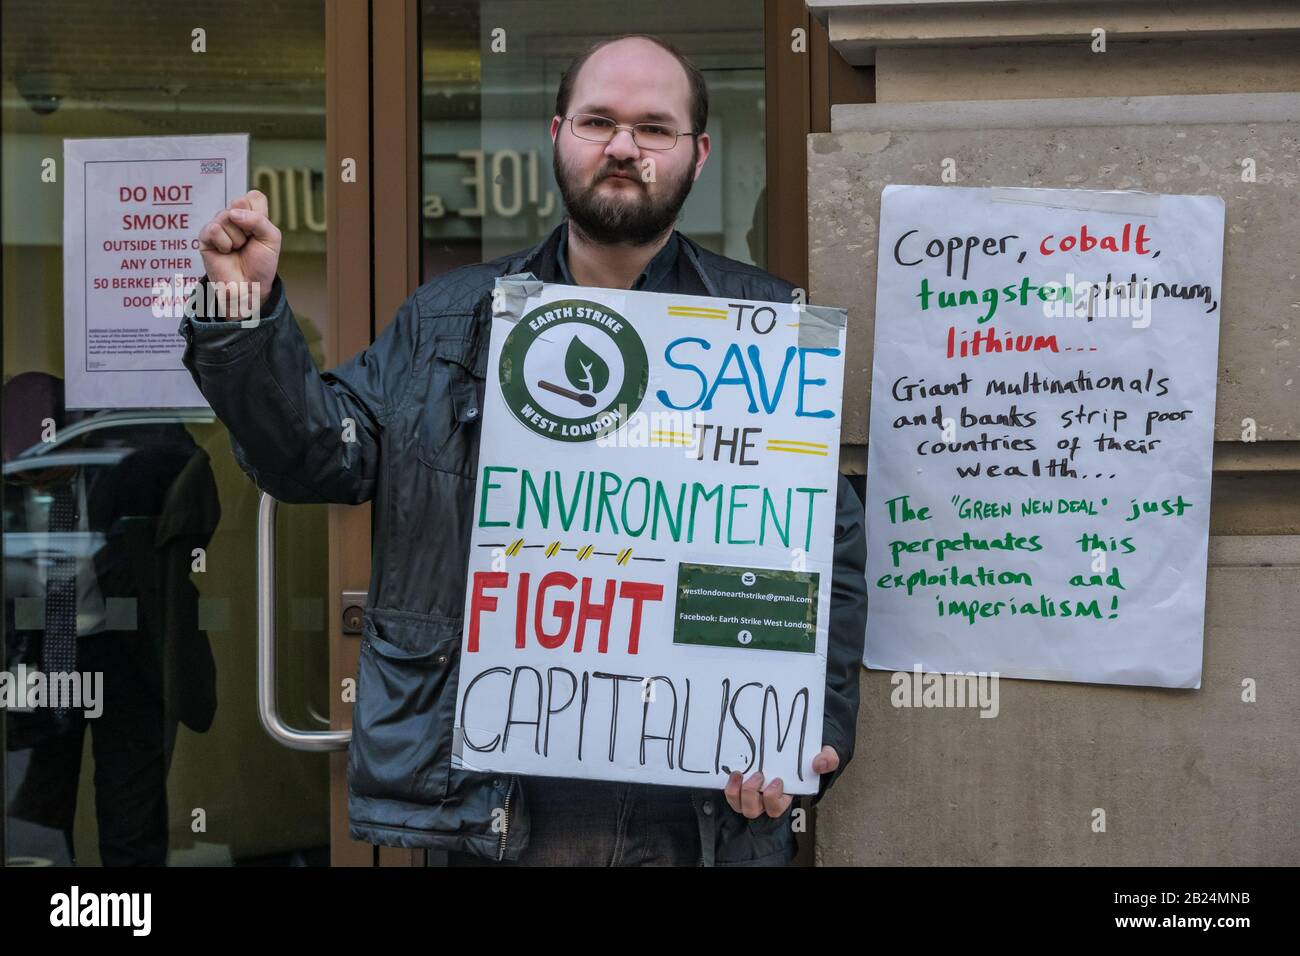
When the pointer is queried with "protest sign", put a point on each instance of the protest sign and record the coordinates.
(132, 212)
(1042, 423)
(650, 566)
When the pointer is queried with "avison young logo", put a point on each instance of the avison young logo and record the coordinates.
(573, 370)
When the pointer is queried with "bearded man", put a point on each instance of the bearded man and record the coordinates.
(630, 141)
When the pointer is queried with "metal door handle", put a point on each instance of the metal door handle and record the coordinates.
(267, 711)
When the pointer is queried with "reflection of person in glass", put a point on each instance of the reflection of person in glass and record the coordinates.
(102, 514)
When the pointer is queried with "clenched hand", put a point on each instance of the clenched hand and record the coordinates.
(241, 245)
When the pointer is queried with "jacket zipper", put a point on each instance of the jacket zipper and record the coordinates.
(505, 823)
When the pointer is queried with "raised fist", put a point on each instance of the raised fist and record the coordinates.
(241, 245)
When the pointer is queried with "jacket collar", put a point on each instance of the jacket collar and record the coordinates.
(544, 263)
(543, 259)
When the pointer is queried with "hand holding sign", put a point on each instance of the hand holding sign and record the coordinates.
(241, 245)
(751, 799)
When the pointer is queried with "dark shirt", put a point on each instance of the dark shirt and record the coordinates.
(655, 277)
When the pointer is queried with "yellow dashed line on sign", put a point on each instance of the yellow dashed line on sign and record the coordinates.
(802, 444)
(697, 312)
(798, 451)
(798, 447)
(672, 438)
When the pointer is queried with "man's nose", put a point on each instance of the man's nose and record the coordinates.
(622, 146)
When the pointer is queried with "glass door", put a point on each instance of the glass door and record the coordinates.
(139, 521)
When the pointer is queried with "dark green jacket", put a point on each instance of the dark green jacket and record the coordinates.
(414, 397)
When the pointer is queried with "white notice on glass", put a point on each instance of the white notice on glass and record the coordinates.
(132, 212)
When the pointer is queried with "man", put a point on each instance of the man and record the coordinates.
(629, 142)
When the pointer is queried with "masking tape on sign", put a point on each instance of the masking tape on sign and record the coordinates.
(511, 294)
(820, 325)
(1123, 201)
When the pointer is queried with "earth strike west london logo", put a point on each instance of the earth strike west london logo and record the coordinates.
(573, 370)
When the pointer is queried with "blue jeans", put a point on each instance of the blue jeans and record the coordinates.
(604, 823)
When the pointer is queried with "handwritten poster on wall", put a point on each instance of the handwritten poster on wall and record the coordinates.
(132, 212)
(650, 567)
(1042, 420)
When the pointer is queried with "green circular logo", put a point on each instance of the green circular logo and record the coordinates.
(573, 370)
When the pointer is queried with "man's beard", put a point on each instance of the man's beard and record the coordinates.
(633, 220)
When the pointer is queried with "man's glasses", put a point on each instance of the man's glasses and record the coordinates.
(601, 129)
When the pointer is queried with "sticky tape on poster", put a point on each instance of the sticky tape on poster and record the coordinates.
(511, 294)
(820, 325)
(1124, 201)
(457, 742)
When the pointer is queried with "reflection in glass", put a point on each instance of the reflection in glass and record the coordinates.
(208, 786)
(101, 618)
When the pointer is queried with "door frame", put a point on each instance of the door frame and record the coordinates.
(372, 255)
(372, 259)
(800, 87)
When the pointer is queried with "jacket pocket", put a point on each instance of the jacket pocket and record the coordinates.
(406, 703)
(449, 416)
(742, 841)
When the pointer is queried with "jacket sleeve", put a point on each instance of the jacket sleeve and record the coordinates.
(848, 625)
(300, 434)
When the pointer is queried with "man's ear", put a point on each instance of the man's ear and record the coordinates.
(705, 145)
(556, 122)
